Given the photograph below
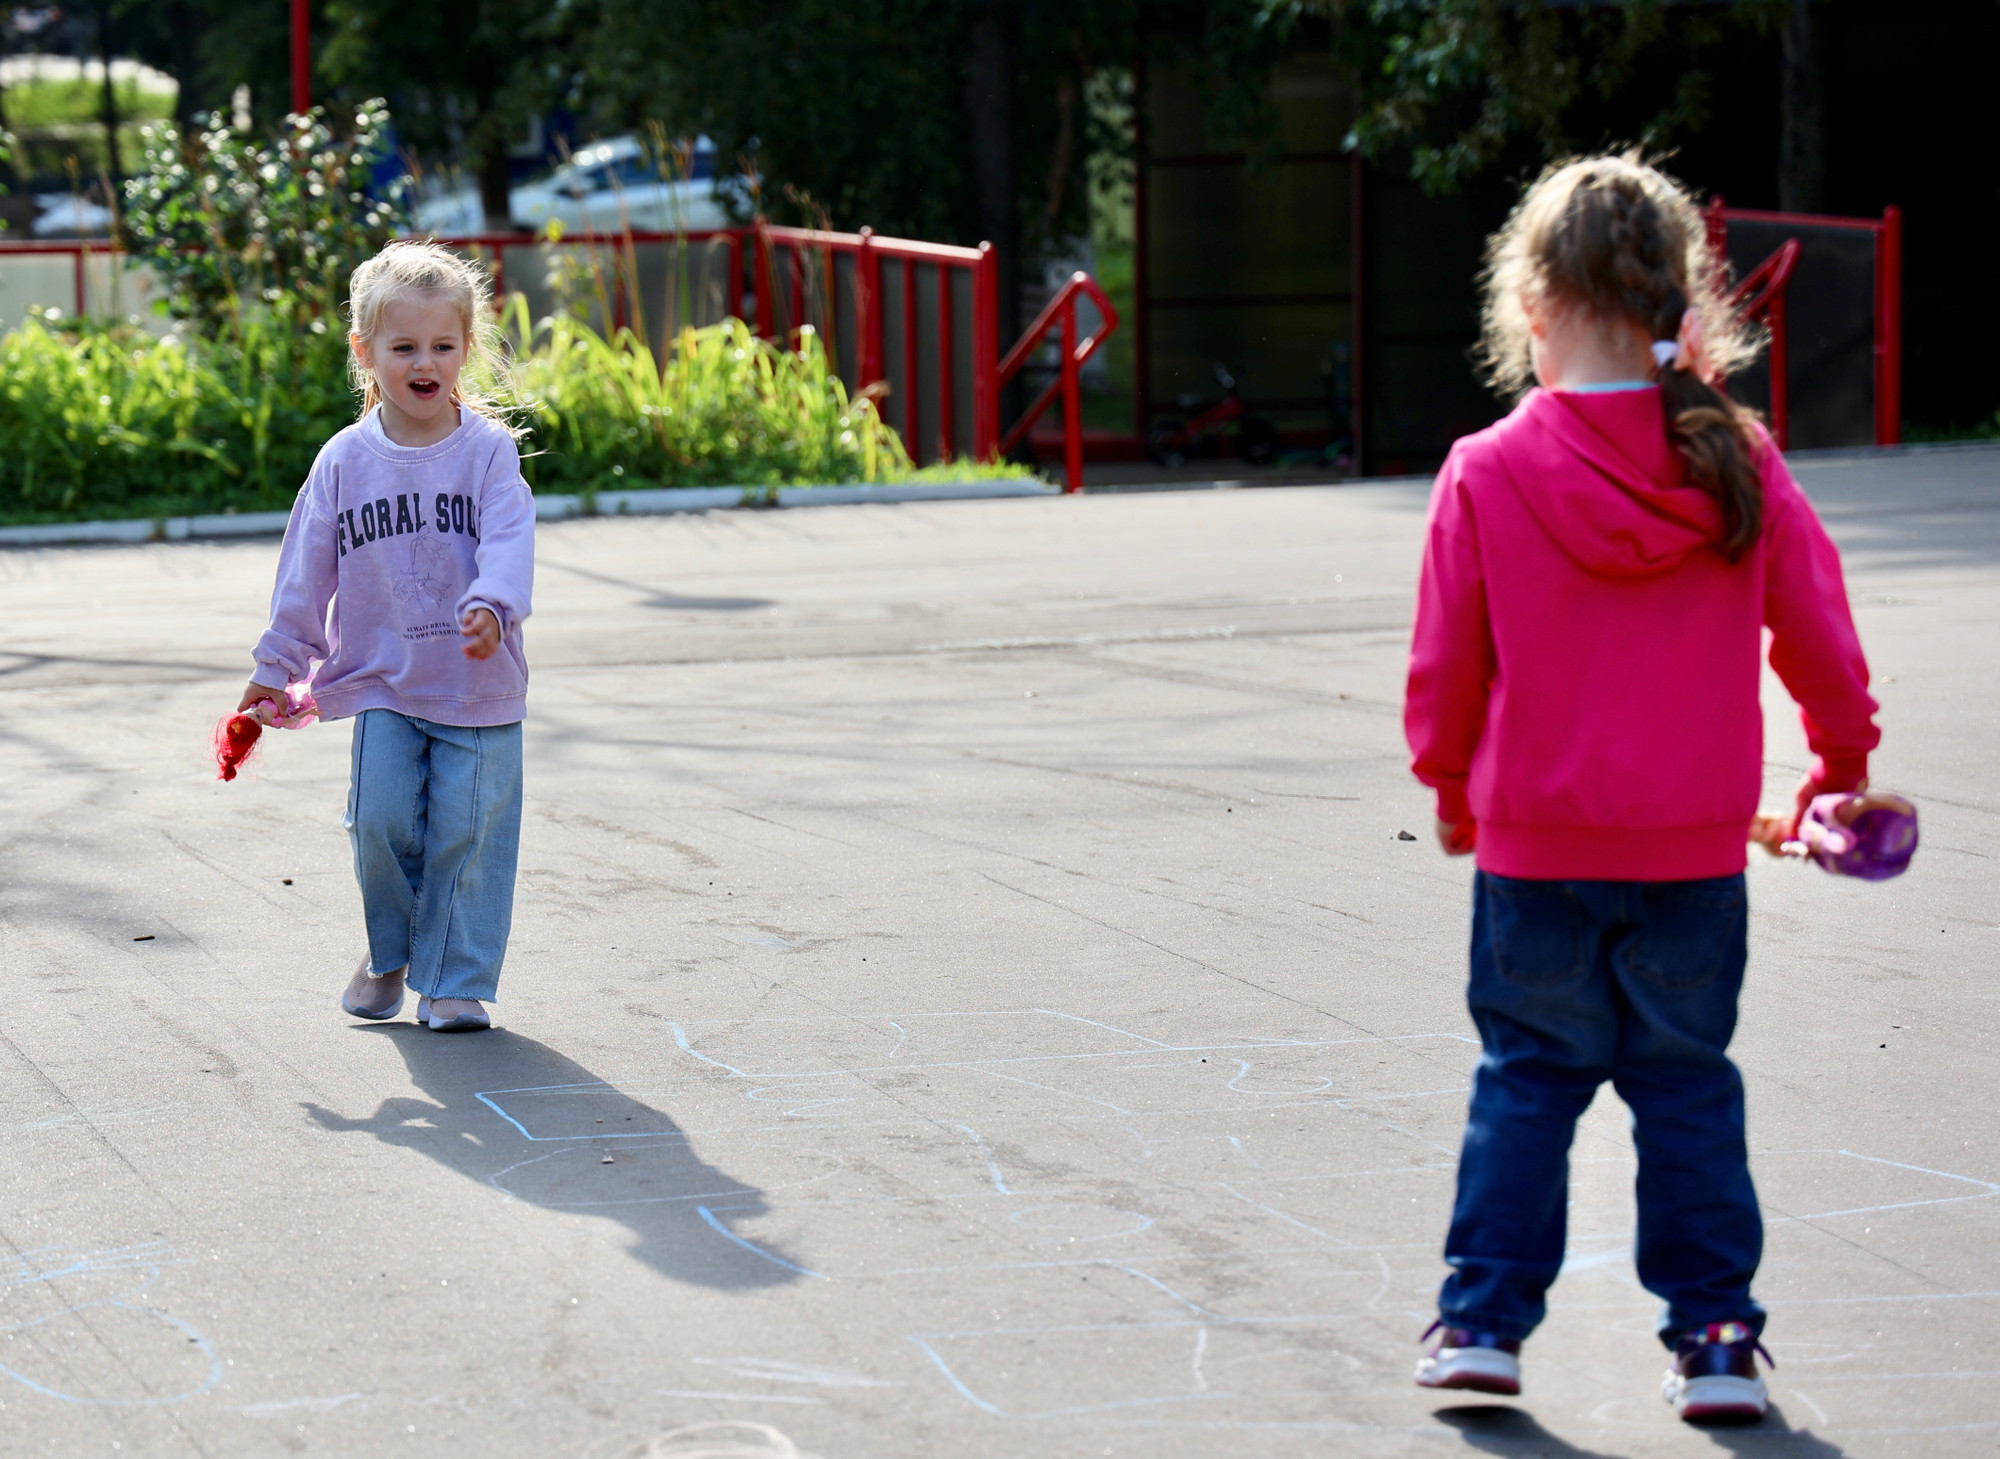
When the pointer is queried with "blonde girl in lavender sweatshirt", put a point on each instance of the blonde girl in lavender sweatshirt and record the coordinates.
(402, 586)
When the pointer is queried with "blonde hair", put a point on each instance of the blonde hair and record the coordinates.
(1622, 240)
(415, 266)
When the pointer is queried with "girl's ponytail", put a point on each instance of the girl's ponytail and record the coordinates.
(1713, 433)
(1621, 239)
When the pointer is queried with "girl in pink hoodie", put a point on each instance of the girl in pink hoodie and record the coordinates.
(1598, 572)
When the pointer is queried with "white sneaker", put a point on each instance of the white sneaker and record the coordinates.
(1714, 1377)
(1478, 1361)
(452, 1015)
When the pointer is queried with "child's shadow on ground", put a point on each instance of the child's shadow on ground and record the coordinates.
(1498, 1429)
(521, 1118)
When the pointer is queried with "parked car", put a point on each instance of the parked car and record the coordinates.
(603, 187)
(65, 215)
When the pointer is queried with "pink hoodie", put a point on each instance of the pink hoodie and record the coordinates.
(1583, 676)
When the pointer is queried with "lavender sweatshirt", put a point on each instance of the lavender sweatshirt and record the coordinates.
(388, 545)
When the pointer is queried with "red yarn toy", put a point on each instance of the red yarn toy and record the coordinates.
(236, 735)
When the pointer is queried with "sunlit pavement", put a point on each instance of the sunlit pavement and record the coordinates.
(969, 997)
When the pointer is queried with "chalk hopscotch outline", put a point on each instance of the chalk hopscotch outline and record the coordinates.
(714, 1208)
(494, 1180)
(146, 1259)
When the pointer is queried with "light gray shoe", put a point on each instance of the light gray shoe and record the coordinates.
(374, 995)
(452, 1015)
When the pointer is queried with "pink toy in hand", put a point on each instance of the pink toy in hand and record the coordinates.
(237, 734)
(1871, 836)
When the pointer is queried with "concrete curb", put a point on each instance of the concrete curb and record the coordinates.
(147, 529)
(548, 508)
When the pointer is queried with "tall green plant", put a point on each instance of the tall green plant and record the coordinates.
(723, 408)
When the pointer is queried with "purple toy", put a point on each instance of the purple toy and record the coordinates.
(1871, 836)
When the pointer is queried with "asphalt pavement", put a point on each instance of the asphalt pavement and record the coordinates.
(972, 997)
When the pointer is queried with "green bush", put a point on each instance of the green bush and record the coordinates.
(111, 422)
(114, 423)
(724, 408)
(226, 221)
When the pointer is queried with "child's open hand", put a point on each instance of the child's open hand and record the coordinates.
(482, 633)
(1458, 840)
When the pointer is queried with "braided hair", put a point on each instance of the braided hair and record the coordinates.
(1622, 240)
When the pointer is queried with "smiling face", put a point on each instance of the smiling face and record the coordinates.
(417, 352)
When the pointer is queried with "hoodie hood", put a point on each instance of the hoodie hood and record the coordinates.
(1598, 475)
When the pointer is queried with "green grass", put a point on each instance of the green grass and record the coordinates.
(48, 102)
(57, 120)
(1984, 430)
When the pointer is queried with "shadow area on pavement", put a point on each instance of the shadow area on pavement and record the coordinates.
(1495, 1428)
(534, 1125)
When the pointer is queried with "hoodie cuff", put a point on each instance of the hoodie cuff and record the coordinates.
(271, 676)
(1453, 808)
(1844, 772)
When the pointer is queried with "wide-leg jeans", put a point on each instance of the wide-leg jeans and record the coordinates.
(434, 814)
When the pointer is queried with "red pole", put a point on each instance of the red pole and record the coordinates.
(910, 425)
(985, 355)
(947, 384)
(735, 306)
(1781, 384)
(867, 312)
(1357, 312)
(1072, 404)
(1889, 329)
(760, 270)
(302, 89)
(1142, 242)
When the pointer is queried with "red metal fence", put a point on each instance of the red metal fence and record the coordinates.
(1832, 292)
(909, 322)
(913, 324)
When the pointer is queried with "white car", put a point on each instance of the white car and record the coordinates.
(605, 187)
(65, 215)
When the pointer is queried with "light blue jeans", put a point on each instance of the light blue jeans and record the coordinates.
(434, 812)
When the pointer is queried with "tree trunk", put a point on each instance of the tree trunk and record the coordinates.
(495, 187)
(110, 97)
(989, 113)
(186, 63)
(1801, 151)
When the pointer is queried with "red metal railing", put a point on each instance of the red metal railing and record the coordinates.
(869, 255)
(1062, 308)
(1887, 312)
(1761, 295)
(786, 276)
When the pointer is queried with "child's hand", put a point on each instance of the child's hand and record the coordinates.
(258, 692)
(1458, 840)
(1771, 830)
(482, 633)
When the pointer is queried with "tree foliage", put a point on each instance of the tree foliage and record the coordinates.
(1447, 88)
(863, 109)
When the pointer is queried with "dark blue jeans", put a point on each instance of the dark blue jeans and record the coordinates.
(1573, 983)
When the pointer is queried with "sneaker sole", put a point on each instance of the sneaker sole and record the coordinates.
(1475, 1370)
(1716, 1398)
(463, 1023)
